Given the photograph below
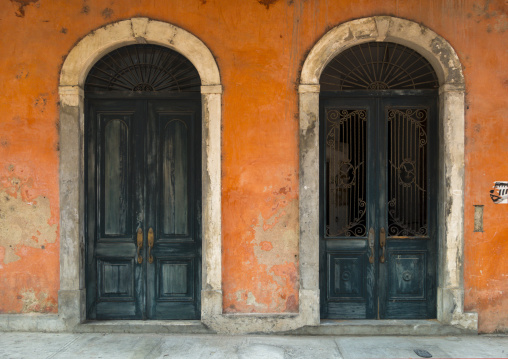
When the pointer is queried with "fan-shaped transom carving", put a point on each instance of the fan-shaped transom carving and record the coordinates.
(143, 68)
(378, 66)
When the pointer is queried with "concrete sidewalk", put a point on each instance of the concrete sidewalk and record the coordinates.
(93, 345)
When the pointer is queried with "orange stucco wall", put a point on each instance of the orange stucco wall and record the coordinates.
(259, 47)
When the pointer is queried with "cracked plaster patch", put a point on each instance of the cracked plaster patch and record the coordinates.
(36, 302)
(251, 300)
(278, 233)
(23, 223)
(276, 247)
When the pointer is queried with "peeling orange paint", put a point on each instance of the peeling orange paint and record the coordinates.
(259, 47)
(266, 246)
(37, 302)
(21, 6)
(268, 282)
(24, 222)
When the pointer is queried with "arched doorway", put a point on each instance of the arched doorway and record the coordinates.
(73, 218)
(450, 177)
(143, 190)
(378, 189)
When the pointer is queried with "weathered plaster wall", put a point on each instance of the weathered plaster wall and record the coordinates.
(486, 265)
(29, 213)
(259, 47)
(27, 235)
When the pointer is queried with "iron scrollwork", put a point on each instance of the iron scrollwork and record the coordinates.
(345, 152)
(407, 177)
(143, 68)
(378, 66)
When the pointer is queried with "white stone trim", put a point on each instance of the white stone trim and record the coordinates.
(308, 88)
(70, 95)
(211, 89)
(137, 30)
(81, 58)
(450, 301)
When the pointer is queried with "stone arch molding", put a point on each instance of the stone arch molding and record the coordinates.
(81, 58)
(450, 301)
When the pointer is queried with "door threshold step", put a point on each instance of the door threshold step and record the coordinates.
(416, 327)
(327, 327)
(144, 326)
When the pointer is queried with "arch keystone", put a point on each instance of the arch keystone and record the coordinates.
(382, 25)
(139, 25)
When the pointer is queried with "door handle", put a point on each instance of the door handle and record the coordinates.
(371, 245)
(140, 244)
(150, 245)
(382, 244)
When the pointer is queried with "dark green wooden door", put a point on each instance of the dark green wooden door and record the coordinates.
(378, 204)
(143, 209)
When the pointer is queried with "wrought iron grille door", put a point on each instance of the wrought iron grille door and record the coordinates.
(378, 192)
(378, 204)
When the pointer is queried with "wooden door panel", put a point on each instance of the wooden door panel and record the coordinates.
(114, 207)
(115, 279)
(407, 278)
(353, 310)
(406, 292)
(174, 212)
(407, 270)
(143, 173)
(116, 186)
(116, 310)
(347, 293)
(347, 277)
(175, 279)
(91, 204)
(409, 310)
(115, 156)
(175, 288)
(175, 310)
(175, 177)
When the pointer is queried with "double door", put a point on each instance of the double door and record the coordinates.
(143, 240)
(378, 204)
